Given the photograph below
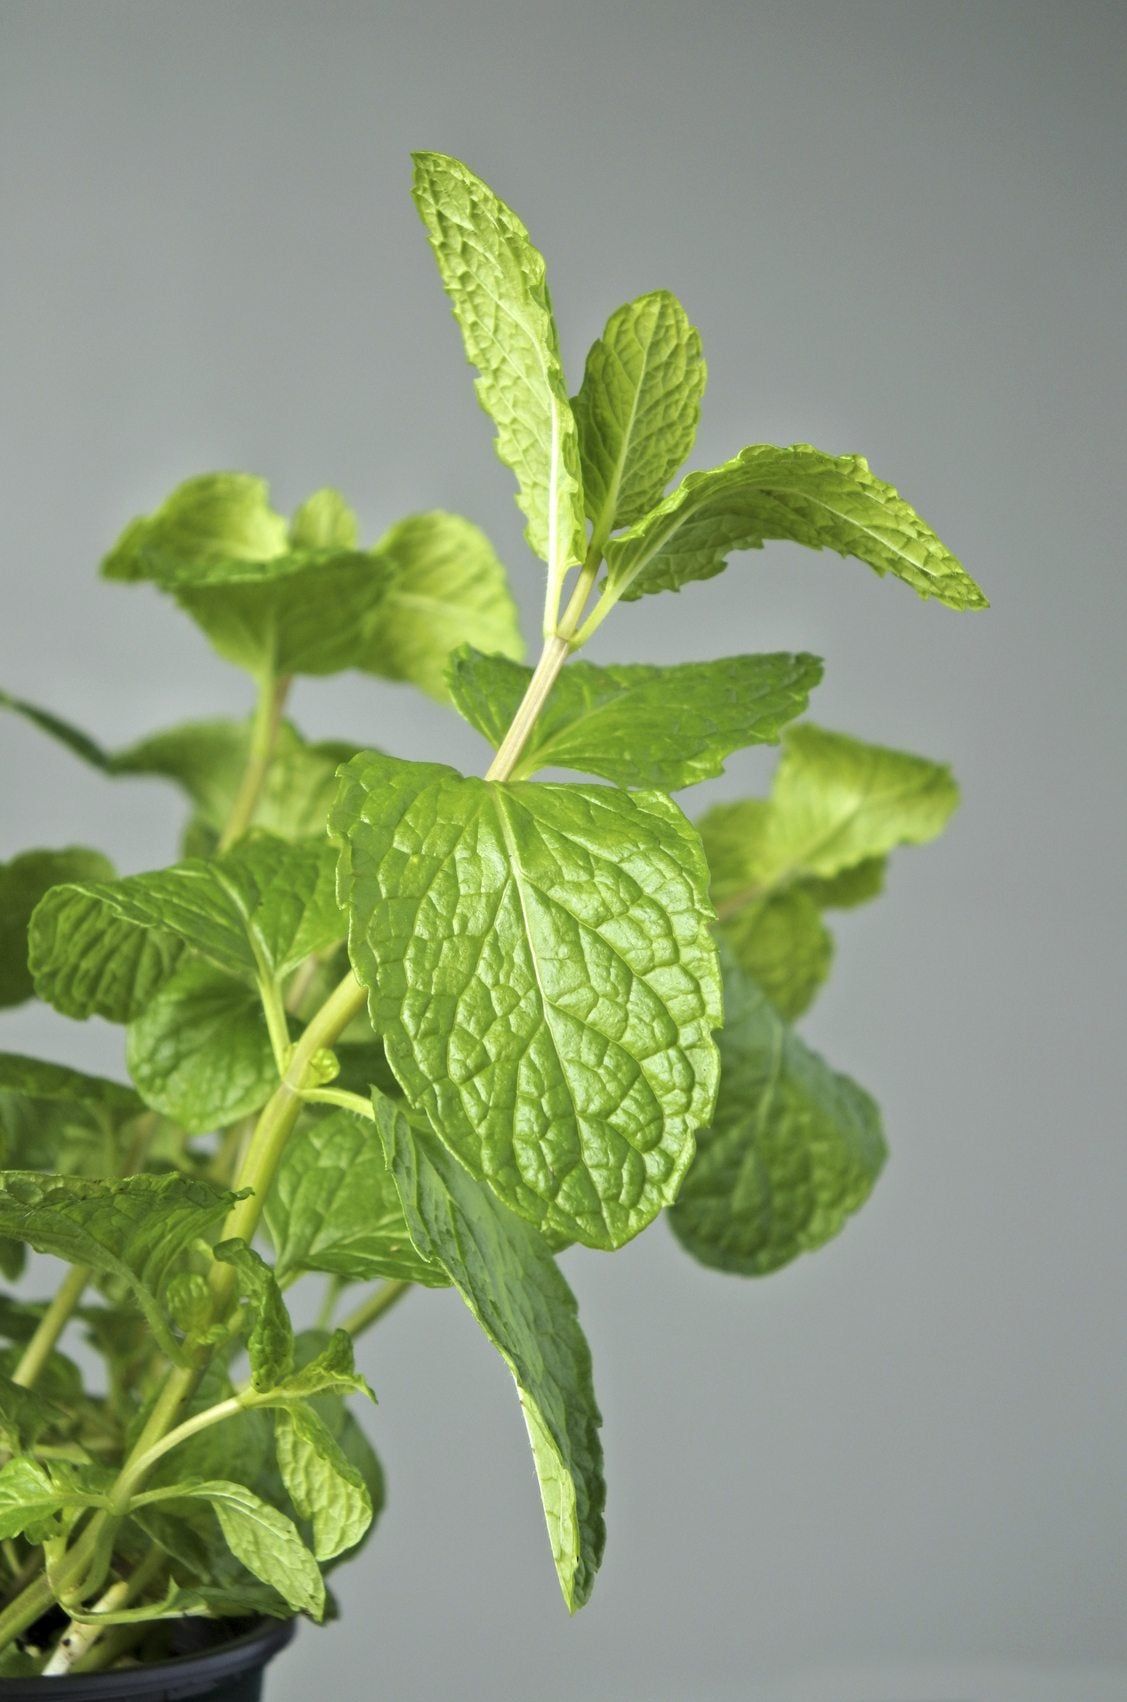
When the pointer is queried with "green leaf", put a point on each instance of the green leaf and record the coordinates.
(800, 494)
(333, 1207)
(837, 808)
(540, 969)
(637, 408)
(206, 759)
(195, 1601)
(56, 1118)
(635, 724)
(264, 1540)
(200, 1052)
(25, 1414)
(793, 1148)
(257, 912)
(135, 1229)
(325, 1487)
(270, 1337)
(34, 1497)
(496, 283)
(64, 732)
(308, 606)
(508, 1278)
(23, 882)
(446, 588)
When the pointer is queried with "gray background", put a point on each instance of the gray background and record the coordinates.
(891, 1471)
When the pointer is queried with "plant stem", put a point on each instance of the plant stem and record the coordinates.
(50, 1327)
(544, 676)
(81, 1635)
(569, 620)
(375, 1306)
(272, 694)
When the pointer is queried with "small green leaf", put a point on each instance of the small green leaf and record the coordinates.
(258, 911)
(34, 1497)
(637, 408)
(508, 1278)
(331, 1371)
(25, 1414)
(800, 494)
(62, 731)
(324, 522)
(56, 1118)
(200, 1051)
(635, 724)
(540, 969)
(837, 808)
(793, 1148)
(265, 1541)
(23, 882)
(497, 288)
(270, 1337)
(446, 587)
(325, 1487)
(135, 1229)
(334, 1207)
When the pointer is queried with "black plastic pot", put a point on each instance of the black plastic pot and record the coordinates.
(230, 1671)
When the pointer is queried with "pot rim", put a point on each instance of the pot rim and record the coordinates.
(185, 1675)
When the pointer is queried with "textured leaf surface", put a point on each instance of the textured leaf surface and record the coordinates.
(497, 288)
(56, 1118)
(324, 1485)
(508, 1278)
(33, 1495)
(200, 1052)
(270, 1335)
(635, 724)
(540, 968)
(23, 882)
(637, 408)
(25, 1414)
(135, 1229)
(800, 494)
(264, 1540)
(309, 606)
(821, 841)
(259, 910)
(334, 1206)
(793, 1149)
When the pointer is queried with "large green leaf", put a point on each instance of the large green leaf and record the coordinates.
(507, 1276)
(136, 1229)
(310, 602)
(257, 912)
(799, 493)
(200, 1051)
(821, 841)
(23, 882)
(333, 1206)
(793, 1148)
(539, 965)
(261, 1538)
(56, 1118)
(637, 409)
(497, 288)
(635, 724)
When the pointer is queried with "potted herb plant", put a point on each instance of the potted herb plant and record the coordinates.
(391, 1026)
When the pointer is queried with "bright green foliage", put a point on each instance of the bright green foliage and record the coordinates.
(540, 969)
(23, 882)
(270, 1336)
(135, 1230)
(635, 724)
(258, 911)
(637, 409)
(837, 808)
(793, 1148)
(264, 1540)
(497, 288)
(324, 1485)
(822, 501)
(334, 1207)
(200, 1051)
(509, 1280)
(426, 1030)
(313, 607)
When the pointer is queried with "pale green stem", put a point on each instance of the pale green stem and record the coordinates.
(272, 694)
(375, 1306)
(342, 1097)
(276, 1025)
(80, 1635)
(51, 1326)
(569, 620)
(544, 676)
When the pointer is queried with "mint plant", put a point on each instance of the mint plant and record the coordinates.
(390, 1026)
